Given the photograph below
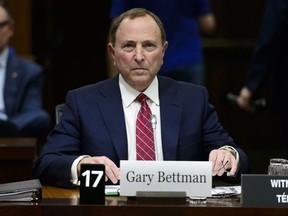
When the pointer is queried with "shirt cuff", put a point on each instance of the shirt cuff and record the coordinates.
(74, 174)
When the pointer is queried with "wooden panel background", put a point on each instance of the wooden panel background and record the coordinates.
(21, 11)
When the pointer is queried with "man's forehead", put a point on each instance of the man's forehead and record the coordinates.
(138, 24)
(146, 17)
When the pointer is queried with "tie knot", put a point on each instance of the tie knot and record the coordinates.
(141, 98)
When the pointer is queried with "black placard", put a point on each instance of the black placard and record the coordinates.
(92, 184)
(260, 190)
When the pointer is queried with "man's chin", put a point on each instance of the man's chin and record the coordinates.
(141, 82)
(141, 78)
(140, 72)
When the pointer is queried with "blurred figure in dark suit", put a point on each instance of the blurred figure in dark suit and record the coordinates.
(270, 60)
(21, 81)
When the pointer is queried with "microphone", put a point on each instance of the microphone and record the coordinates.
(153, 121)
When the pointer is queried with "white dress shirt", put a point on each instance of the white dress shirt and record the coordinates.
(131, 108)
(3, 63)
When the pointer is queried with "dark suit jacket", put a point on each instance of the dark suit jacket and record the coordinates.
(23, 95)
(270, 58)
(93, 124)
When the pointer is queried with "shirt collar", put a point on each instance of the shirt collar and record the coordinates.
(129, 94)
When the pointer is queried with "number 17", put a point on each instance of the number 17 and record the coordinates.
(87, 174)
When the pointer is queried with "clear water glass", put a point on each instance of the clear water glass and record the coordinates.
(276, 166)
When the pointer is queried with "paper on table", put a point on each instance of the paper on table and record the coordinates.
(30, 190)
(112, 190)
(226, 191)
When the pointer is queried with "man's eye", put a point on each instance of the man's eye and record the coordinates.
(149, 47)
(128, 47)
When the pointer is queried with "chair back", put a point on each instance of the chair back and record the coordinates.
(59, 111)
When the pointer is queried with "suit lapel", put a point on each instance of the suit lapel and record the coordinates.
(10, 88)
(170, 110)
(113, 114)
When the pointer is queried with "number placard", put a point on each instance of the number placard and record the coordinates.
(92, 184)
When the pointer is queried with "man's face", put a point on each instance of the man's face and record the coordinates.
(138, 52)
(6, 29)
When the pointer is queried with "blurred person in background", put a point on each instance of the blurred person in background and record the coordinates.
(270, 62)
(184, 22)
(21, 82)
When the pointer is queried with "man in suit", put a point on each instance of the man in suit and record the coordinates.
(99, 121)
(21, 82)
(270, 59)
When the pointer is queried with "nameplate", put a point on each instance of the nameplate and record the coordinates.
(193, 178)
(264, 190)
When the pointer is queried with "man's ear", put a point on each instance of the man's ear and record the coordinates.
(111, 50)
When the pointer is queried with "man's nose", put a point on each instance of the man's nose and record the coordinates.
(139, 54)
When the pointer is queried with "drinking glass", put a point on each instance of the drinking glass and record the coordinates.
(276, 166)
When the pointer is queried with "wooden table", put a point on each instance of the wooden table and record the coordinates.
(16, 158)
(57, 201)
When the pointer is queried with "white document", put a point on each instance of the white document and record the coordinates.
(112, 190)
(226, 191)
(222, 191)
(29, 190)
